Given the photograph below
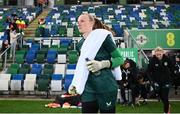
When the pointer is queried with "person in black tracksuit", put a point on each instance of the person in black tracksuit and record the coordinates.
(143, 85)
(176, 74)
(4, 47)
(160, 70)
(129, 81)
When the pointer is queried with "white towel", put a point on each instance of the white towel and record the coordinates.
(89, 50)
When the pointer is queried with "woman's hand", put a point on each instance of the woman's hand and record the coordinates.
(72, 90)
(95, 66)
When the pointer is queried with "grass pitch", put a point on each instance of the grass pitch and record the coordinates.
(37, 106)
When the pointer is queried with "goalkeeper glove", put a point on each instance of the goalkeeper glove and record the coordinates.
(95, 66)
(72, 90)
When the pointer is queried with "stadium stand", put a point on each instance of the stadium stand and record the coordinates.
(26, 14)
(20, 54)
(36, 69)
(63, 18)
(56, 82)
(51, 56)
(24, 69)
(50, 61)
(5, 82)
(29, 82)
(16, 82)
(67, 81)
(70, 68)
(61, 58)
(60, 69)
(13, 69)
(41, 55)
(43, 65)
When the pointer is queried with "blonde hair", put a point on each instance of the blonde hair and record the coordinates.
(98, 24)
(158, 49)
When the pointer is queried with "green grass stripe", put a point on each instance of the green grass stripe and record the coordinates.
(37, 106)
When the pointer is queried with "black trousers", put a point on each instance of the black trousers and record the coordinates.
(42, 32)
(123, 94)
(92, 107)
(134, 93)
(164, 96)
(176, 81)
(143, 91)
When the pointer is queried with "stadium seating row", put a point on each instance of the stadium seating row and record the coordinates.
(35, 81)
(26, 14)
(51, 55)
(61, 21)
(40, 69)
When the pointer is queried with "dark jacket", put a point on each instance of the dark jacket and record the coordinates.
(4, 47)
(130, 74)
(160, 70)
(8, 35)
(176, 74)
(176, 68)
(13, 26)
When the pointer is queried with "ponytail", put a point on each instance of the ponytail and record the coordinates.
(99, 25)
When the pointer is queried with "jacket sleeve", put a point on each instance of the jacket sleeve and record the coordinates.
(150, 70)
(116, 58)
(171, 67)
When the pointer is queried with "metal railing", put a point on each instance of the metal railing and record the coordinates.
(11, 50)
(130, 41)
(40, 40)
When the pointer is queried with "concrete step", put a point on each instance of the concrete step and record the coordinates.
(33, 26)
(29, 35)
(35, 21)
(31, 29)
(29, 32)
(26, 38)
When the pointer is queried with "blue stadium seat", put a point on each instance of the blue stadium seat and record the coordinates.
(66, 42)
(67, 81)
(30, 56)
(18, 77)
(51, 56)
(57, 76)
(54, 30)
(35, 47)
(118, 30)
(16, 82)
(56, 82)
(71, 66)
(36, 69)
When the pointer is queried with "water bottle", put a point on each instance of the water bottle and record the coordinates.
(95, 73)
